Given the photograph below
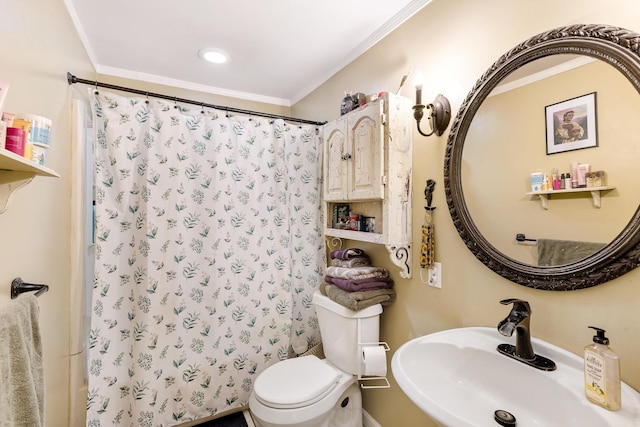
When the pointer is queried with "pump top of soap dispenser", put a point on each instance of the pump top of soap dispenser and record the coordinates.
(599, 337)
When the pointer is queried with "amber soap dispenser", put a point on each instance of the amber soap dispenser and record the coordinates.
(602, 373)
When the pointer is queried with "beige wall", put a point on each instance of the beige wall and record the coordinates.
(453, 42)
(41, 46)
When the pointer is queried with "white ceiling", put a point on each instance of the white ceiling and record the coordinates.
(281, 49)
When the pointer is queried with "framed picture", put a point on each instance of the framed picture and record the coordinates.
(571, 124)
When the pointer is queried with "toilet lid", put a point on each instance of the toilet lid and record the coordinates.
(295, 382)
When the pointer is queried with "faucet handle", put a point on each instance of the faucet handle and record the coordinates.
(518, 304)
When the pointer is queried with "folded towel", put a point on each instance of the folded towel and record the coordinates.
(357, 272)
(560, 252)
(347, 253)
(352, 285)
(358, 261)
(21, 365)
(357, 300)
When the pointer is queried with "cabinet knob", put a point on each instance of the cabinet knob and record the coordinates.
(346, 156)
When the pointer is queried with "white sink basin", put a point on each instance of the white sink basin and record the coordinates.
(458, 378)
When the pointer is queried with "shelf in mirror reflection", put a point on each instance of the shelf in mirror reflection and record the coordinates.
(595, 194)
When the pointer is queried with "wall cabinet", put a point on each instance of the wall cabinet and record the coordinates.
(15, 173)
(367, 166)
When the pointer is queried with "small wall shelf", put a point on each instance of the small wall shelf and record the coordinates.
(361, 236)
(595, 194)
(15, 173)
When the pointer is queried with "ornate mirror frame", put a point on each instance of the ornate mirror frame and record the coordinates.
(616, 46)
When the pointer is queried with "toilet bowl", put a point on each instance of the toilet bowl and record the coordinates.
(306, 392)
(311, 392)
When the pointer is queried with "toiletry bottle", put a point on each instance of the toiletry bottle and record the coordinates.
(563, 182)
(567, 180)
(555, 179)
(602, 373)
(574, 174)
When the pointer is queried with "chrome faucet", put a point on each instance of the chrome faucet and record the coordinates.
(518, 320)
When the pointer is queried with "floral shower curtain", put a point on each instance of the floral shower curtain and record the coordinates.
(208, 249)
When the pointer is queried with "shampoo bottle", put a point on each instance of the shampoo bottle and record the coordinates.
(602, 373)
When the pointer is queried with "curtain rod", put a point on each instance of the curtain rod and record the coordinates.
(71, 79)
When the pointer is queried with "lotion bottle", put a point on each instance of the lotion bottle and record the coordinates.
(602, 373)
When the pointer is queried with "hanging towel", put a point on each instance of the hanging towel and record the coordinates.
(357, 300)
(560, 252)
(347, 253)
(21, 365)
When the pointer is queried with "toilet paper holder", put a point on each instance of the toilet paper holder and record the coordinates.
(380, 381)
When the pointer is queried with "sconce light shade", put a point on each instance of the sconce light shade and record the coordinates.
(439, 117)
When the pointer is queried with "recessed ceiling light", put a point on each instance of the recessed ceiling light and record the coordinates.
(215, 56)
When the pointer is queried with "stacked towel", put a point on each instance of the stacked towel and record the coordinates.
(367, 272)
(359, 261)
(346, 253)
(358, 300)
(353, 285)
(21, 365)
(353, 282)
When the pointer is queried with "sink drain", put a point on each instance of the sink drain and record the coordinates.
(504, 418)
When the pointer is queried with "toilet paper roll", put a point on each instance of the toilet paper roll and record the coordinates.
(374, 361)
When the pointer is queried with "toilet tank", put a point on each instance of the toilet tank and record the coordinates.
(343, 329)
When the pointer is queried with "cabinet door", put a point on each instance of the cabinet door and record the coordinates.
(365, 146)
(335, 162)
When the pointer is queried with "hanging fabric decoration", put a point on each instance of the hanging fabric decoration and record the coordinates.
(428, 245)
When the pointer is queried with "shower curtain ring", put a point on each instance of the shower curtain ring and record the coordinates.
(96, 87)
(147, 100)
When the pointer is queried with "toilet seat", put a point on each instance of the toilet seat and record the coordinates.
(294, 383)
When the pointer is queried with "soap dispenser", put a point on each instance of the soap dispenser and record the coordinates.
(602, 373)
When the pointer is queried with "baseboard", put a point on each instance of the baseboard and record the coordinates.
(368, 421)
(248, 418)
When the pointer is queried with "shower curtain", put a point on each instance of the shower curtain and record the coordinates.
(208, 249)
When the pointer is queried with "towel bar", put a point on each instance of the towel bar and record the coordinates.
(18, 286)
(522, 238)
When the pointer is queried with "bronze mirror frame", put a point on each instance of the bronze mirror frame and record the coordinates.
(616, 46)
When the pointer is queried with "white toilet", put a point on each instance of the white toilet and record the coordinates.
(309, 392)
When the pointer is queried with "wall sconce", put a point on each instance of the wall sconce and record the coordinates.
(440, 112)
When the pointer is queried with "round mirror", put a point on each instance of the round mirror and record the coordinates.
(504, 131)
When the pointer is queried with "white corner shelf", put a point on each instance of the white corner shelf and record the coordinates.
(15, 173)
(594, 191)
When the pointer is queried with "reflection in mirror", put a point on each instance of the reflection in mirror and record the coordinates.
(507, 141)
(497, 141)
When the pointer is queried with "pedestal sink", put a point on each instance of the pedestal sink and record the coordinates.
(459, 379)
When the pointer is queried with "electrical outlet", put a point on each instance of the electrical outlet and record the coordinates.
(435, 275)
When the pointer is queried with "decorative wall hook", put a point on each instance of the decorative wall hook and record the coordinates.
(428, 194)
